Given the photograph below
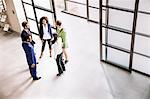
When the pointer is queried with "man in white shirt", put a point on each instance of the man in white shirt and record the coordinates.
(57, 47)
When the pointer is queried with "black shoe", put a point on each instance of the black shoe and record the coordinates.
(40, 56)
(50, 55)
(66, 61)
(37, 78)
(64, 69)
(59, 74)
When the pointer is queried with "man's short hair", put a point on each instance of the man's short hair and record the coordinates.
(24, 24)
(58, 23)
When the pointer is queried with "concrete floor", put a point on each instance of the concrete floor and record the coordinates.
(125, 85)
(85, 78)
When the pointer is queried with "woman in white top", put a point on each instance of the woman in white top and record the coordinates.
(57, 47)
(45, 34)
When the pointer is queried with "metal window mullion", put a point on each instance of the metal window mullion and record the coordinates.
(133, 33)
(26, 3)
(119, 8)
(65, 5)
(87, 9)
(147, 56)
(100, 29)
(117, 29)
(35, 14)
(53, 7)
(24, 9)
(106, 29)
(144, 12)
(31, 18)
(76, 2)
(117, 48)
(42, 8)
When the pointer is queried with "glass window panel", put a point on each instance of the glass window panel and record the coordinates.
(94, 3)
(129, 4)
(119, 39)
(41, 13)
(143, 23)
(43, 3)
(104, 16)
(60, 4)
(118, 57)
(94, 14)
(104, 52)
(104, 35)
(104, 29)
(77, 9)
(103, 2)
(121, 19)
(144, 5)
(33, 26)
(29, 11)
(27, 1)
(142, 45)
(141, 63)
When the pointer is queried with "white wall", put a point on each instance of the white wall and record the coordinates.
(12, 17)
(19, 11)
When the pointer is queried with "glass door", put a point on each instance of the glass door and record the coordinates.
(125, 34)
(141, 56)
(116, 31)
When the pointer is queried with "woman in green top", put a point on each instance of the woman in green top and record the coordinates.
(62, 34)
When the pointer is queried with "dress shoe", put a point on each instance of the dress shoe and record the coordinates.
(59, 74)
(66, 61)
(64, 69)
(50, 55)
(37, 78)
(41, 56)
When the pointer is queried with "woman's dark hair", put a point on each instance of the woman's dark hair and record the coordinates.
(58, 23)
(24, 24)
(55, 38)
(43, 18)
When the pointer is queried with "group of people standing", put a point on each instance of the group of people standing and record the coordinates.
(56, 41)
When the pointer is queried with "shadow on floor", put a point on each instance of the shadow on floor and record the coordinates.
(20, 88)
(9, 34)
(14, 75)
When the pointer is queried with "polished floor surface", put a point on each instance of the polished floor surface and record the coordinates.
(83, 79)
(85, 76)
